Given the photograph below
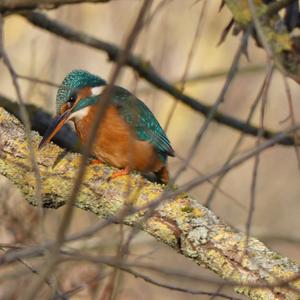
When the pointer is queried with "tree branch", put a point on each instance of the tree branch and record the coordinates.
(283, 45)
(276, 6)
(145, 70)
(40, 121)
(181, 222)
(11, 6)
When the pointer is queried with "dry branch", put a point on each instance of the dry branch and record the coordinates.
(9, 6)
(181, 222)
(281, 45)
(40, 121)
(146, 71)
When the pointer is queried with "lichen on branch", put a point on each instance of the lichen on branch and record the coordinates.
(283, 44)
(180, 222)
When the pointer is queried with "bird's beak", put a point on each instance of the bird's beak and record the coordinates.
(56, 124)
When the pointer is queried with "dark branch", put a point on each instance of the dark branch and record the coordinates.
(274, 7)
(10, 6)
(199, 235)
(40, 120)
(146, 71)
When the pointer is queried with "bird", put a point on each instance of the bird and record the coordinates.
(129, 137)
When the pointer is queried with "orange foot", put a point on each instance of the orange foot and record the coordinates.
(96, 161)
(120, 172)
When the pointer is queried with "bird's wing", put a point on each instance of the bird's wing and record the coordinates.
(144, 124)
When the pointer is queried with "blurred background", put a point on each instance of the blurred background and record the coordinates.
(165, 43)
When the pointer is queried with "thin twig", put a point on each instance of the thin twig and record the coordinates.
(263, 146)
(236, 145)
(146, 71)
(12, 6)
(257, 156)
(292, 115)
(26, 122)
(58, 294)
(64, 226)
(37, 80)
(276, 6)
(220, 99)
(190, 57)
(37, 250)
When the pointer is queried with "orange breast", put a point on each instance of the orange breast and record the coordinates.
(117, 144)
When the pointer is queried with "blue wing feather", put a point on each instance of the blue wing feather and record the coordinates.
(142, 120)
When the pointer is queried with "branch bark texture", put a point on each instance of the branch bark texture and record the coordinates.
(283, 45)
(181, 222)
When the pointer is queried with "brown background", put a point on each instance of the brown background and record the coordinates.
(165, 43)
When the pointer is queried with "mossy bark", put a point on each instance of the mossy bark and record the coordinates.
(181, 222)
(284, 45)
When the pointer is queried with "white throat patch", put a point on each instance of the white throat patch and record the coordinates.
(97, 90)
(80, 114)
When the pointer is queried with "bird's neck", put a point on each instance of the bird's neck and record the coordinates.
(83, 122)
(83, 108)
(80, 114)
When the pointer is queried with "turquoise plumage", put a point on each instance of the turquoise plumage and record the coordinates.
(141, 120)
(126, 123)
(73, 82)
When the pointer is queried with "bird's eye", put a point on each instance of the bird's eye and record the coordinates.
(72, 98)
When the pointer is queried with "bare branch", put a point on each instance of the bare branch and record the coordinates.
(40, 120)
(11, 6)
(278, 5)
(271, 31)
(182, 223)
(100, 110)
(145, 70)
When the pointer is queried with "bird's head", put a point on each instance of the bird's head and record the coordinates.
(78, 90)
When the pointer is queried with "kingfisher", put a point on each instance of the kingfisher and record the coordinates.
(129, 137)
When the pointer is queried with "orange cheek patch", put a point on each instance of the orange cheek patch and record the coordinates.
(84, 93)
(64, 107)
